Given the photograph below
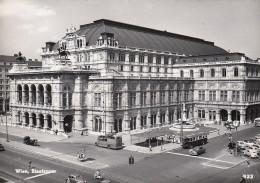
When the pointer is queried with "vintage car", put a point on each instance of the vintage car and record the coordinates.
(2, 147)
(241, 144)
(27, 140)
(75, 179)
(197, 151)
(81, 156)
(251, 153)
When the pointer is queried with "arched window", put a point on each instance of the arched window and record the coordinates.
(212, 73)
(191, 73)
(236, 72)
(224, 73)
(202, 73)
(181, 74)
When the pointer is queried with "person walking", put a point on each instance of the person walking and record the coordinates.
(30, 165)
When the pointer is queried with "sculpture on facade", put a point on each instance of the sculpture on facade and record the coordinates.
(62, 51)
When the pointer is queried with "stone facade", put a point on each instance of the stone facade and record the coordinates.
(107, 87)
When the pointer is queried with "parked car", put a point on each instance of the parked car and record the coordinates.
(241, 144)
(249, 142)
(75, 179)
(2, 147)
(257, 137)
(257, 122)
(27, 140)
(251, 153)
(254, 148)
(197, 151)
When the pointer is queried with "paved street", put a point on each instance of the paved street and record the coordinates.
(216, 165)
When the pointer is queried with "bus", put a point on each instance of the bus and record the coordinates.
(109, 141)
(257, 121)
(193, 140)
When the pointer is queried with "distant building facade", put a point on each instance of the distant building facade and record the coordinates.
(6, 64)
(120, 77)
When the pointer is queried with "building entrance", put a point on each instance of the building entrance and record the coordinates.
(223, 115)
(68, 120)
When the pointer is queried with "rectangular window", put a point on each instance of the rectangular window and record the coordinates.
(223, 96)
(111, 56)
(132, 99)
(141, 59)
(131, 57)
(165, 70)
(121, 56)
(64, 99)
(153, 98)
(143, 98)
(158, 60)
(166, 60)
(212, 95)
(150, 69)
(235, 96)
(141, 69)
(121, 68)
(201, 114)
(162, 97)
(150, 59)
(97, 99)
(212, 115)
(171, 96)
(202, 95)
(70, 99)
(118, 100)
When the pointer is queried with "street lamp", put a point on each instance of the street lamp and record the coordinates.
(236, 125)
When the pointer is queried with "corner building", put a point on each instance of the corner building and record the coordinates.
(120, 77)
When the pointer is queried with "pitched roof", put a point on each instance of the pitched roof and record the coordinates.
(7, 58)
(141, 37)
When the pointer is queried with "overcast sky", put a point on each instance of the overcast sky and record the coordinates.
(25, 25)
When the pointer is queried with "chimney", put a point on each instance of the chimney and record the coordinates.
(30, 59)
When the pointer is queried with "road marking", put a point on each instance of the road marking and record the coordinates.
(215, 166)
(37, 176)
(210, 159)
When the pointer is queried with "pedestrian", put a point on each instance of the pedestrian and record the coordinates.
(56, 131)
(30, 165)
(81, 133)
(218, 131)
(225, 132)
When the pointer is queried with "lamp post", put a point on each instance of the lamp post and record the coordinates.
(236, 125)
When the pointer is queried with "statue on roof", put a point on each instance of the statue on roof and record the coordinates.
(62, 51)
(19, 57)
(72, 29)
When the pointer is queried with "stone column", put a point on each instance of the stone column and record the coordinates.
(30, 97)
(45, 98)
(45, 124)
(138, 120)
(158, 120)
(38, 123)
(126, 121)
(175, 120)
(30, 122)
(167, 114)
(149, 118)
(218, 116)
(37, 98)
(23, 99)
(24, 121)
(229, 116)
(60, 127)
(242, 117)
(78, 120)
